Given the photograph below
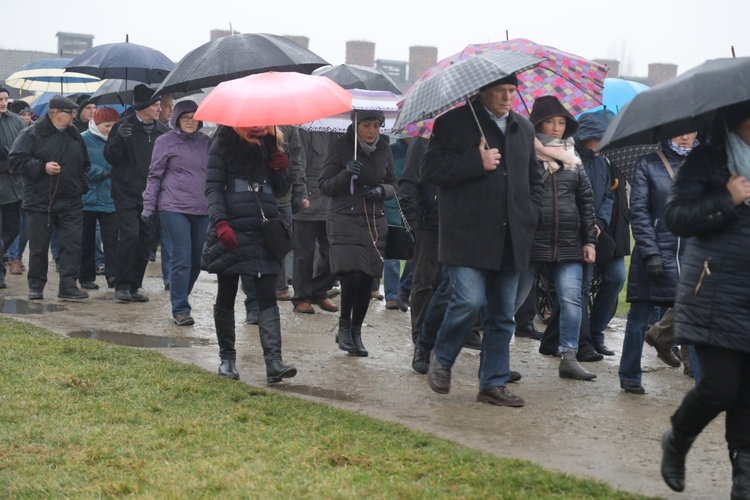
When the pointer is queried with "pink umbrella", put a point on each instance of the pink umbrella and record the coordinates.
(273, 99)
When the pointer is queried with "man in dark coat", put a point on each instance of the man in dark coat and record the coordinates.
(52, 158)
(482, 158)
(128, 150)
(11, 126)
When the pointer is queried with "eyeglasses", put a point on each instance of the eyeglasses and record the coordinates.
(187, 118)
(66, 111)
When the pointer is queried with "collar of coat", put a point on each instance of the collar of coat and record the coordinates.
(486, 119)
(46, 128)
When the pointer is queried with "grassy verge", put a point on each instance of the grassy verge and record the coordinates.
(83, 419)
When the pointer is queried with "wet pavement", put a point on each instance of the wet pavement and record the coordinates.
(590, 429)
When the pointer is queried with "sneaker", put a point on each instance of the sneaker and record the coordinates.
(499, 396)
(36, 294)
(183, 320)
(89, 285)
(72, 294)
(392, 305)
(123, 296)
(137, 297)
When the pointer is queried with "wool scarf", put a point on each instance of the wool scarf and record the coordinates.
(368, 148)
(738, 155)
(551, 150)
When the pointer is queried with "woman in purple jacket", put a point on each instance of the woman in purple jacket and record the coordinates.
(176, 185)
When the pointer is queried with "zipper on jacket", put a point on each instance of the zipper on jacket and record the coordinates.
(555, 221)
(705, 272)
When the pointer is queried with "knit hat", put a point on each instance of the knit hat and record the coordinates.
(81, 98)
(105, 114)
(82, 103)
(511, 79)
(548, 106)
(61, 102)
(3, 89)
(20, 107)
(143, 97)
(367, 114)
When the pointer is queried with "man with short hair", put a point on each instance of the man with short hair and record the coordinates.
(84, 113)
(11, 188)
(128, 150)
(482, 158)
(53, 161)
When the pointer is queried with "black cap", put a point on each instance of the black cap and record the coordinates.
(61, 102)
(20, 107)
(511, 79)
(143, 97)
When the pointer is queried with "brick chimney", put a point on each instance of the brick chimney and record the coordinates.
(360, 53)
(421, 58)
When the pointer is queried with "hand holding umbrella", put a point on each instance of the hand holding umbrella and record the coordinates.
(353, 169)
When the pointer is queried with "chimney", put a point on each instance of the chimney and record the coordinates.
(661, 72)
(613, 65)
(420, 60)
(360, 53)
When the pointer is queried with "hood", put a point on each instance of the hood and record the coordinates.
(590, 126)
(180, 109)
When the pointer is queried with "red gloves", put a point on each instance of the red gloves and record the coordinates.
(226, 235)
(278, 162)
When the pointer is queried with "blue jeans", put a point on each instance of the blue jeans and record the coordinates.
(394, 281)
(16, 250)
(474, 289)
(567, 277)
(185, 235)
(635, 334)
(612, 280)
(98, 252)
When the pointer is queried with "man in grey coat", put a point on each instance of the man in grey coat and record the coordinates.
(490, 187)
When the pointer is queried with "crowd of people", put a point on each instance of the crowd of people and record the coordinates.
(492, 198)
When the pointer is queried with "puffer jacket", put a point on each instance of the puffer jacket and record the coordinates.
(711, 303)
(99, 197)
(648, 195)
(234, 167)
(568, 206)
(357, 229)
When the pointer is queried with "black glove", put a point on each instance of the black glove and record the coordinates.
(147, 216)
(353, 167)
(125, 130)
(4, 153)
(655, 267)
(297, 201)
(375, 193)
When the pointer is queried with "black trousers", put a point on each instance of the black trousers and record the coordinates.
(10, 225)
(724, 386)
(356, 293)
(108, 225)
(132, 246)
(424, 265)
(309, 286)
(69, 227)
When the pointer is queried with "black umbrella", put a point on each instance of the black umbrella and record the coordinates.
(235, 56)
(352, 76)
(685, 104)
(624, 158)
(116, 91)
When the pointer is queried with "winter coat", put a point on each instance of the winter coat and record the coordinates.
(32, 150)
(398, 151)
(11, 188)
(235, 167)
(130, 159)
(419, 199)
(568, 218)
(99, 196)
(357, 229)
(478, 210)
(177, 176)
(648, 194)
(711, 304)
(293, 148)
(314, 151)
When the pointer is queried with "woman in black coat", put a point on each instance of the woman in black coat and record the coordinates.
(247, 170)
(708, 207)
(355, 220)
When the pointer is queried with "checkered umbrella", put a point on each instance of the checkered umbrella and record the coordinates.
(457, 82)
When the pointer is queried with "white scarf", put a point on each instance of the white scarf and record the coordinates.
(550, 151)
(95, 130)
(738, 156)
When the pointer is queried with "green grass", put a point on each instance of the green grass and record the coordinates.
(83, 419)
(622, 304)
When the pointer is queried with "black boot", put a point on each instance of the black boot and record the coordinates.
(269, 325)
(344, 336)
(224, 323)
(359, 348)
(675, 446)
(740, 474)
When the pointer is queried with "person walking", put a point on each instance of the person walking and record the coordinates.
(708, 207)
(247, 170)
(355, 220)
(176, 188)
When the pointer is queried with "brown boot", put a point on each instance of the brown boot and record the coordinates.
(661, 337)
(15, 266)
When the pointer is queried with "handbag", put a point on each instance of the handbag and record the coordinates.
(401, 240)
(277, 234)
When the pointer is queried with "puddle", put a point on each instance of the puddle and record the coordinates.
(138, 340)
(318, 392)
(22, 306)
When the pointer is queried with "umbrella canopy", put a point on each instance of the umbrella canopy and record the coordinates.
(127, 61)
(116, 91)
(687, 103)
(380, 100)
(576, 81)
(457, 82)
(352, 76)
(617, 93)
(273, 99)
(49, 75)
(235, 56)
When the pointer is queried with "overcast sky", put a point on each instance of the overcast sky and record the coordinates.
(637, 32)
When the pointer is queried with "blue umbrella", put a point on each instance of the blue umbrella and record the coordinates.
(49, 75)
(617, 93)
(126, 61)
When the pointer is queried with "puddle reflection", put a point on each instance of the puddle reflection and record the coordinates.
(22, 306)
(138, 340)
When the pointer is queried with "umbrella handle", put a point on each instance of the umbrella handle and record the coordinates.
(486, 144)
(351, 184)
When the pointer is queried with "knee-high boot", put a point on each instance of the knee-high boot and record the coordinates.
(740, 474)
(224, 323)
(675, 446)
(269, 325)
(359, 348)
(344, 336)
